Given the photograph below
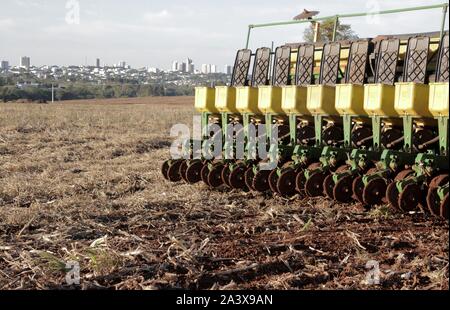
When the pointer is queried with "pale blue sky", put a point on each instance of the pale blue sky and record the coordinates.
(155, 32)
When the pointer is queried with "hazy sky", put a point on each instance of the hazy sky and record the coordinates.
(155, 32)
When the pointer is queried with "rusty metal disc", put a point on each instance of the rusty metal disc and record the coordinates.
(439, 180)
(342, 191)
(286, 183)
(328, 183)
(174, 171)
(403, 174)
(314, 185)
(410, 197)
(237, 178)
(342, 168)
(300, 181)
(165, 169)
(225, 174)
(372, 171)
(328, 186)
(433, 201)
(261, 181)
(215, 176)
(314, 166)
(392, 195)
(374, 192)
(193, 172)
(204, 173)
(444, 207)
(358, 188)
(273, 180)
(183, 169)
(248, 177)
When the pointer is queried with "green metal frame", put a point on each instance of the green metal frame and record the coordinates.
(336, 18)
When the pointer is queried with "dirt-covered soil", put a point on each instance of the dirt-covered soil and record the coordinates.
(80, 182)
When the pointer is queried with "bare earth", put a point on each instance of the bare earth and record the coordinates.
(81, 182)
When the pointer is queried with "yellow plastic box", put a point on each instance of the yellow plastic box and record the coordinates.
(379, 99)
(226, 99)
(269, 99)
(204, 99)
(247, 99)
(412, 99)
(438, 99)
(294, 100)
(321, 99)
(350, 99)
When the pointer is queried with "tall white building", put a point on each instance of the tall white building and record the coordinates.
(182, 67)
(175, 66)
(204, 69)
(228, 70)
(25, 62)
(189, 66)
(5, 65)
(213, 69)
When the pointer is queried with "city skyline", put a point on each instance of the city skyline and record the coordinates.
(154, 34)
(25, 62)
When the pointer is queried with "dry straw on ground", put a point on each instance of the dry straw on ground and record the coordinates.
(81, 182)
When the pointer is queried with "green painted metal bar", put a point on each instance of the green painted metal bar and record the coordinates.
(444, 6)
(248, 36)
(444, 16)
(335, 28)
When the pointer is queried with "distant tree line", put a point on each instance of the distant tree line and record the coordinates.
(83, 91)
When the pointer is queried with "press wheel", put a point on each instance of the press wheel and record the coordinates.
(286, 183)
(215, 176)
(183, 169)
(261, 181)
(204, 173)
(165, 169)
(174, 171)
(300, 181)
(358, 188)
(328, 186)
(225, 174)
(273, 180)
(248, 177)
(433, 200)
(410, 197)
(342, 191)
(237, 178)
(193, 172)
(374, 192)
(392, 193)
(314, 185)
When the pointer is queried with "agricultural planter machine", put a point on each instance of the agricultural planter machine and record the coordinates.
(363, 120)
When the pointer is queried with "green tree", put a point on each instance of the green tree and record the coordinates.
(344, 32)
